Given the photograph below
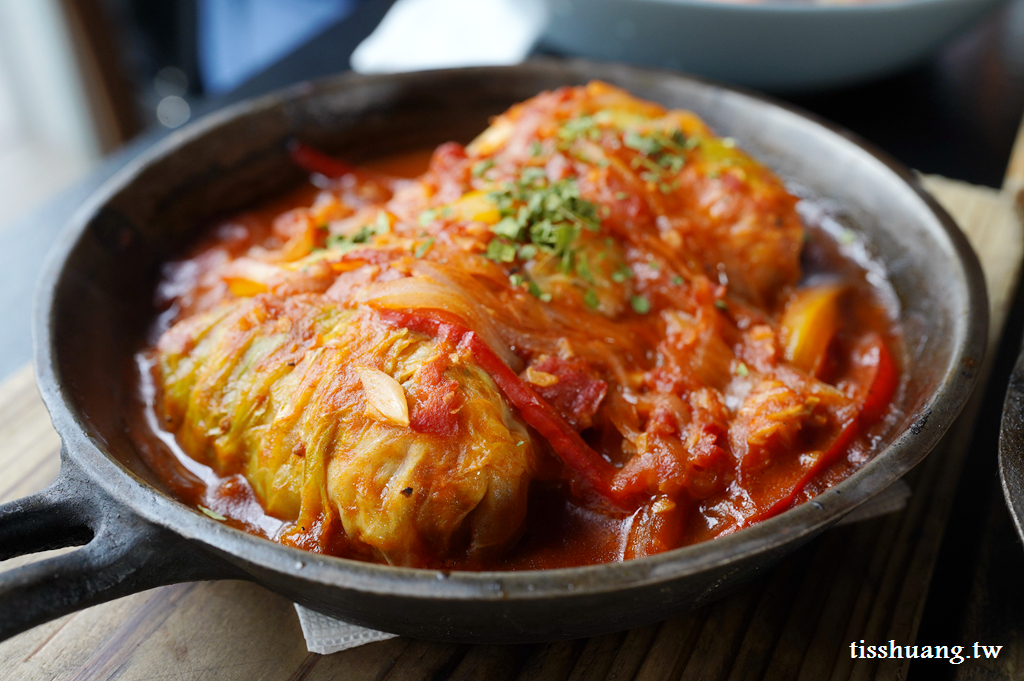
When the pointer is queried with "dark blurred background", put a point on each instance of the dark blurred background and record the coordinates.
(81, 78)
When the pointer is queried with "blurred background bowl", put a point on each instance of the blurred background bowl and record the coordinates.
(777, 45)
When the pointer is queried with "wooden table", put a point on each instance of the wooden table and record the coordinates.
(868, 580)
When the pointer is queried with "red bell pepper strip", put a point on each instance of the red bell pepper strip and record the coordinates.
(593, 470)
(879, 380)
(315, 161)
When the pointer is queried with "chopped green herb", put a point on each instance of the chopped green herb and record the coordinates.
(481, 167)
(591, 299)
(640, 304)
(213, 514)
(536, 149)
(741, 370)
(508, 228)
(621, 196)
(516, 279)
(527, 251)
(537, 293)
(654, 265)
(343, 242)
(672, 163)
(500, 251)
(543, 217)
(427, 217)
(532, 176)
(658, 154)
(584, 126)
(677, 280)
(583, 268)
(643, 161)
(648, 146)
(422, 249)
(622, 274)
(721, 304)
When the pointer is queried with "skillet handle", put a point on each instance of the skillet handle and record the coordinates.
(123, 554)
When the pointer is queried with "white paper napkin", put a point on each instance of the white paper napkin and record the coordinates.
(326, 635)
(432, 34)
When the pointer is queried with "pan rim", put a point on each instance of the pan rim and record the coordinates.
(788, 528)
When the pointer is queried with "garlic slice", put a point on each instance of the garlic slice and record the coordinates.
(385, 396)
(540, 378)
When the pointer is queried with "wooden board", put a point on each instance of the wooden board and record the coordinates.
(867, 580)
(995, 605)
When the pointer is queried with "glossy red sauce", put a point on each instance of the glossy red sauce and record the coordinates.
(558, 532)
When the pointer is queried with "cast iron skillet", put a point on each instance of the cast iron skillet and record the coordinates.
(94, 302)
(1011, 446)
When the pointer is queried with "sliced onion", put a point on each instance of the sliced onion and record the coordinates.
(421, 293)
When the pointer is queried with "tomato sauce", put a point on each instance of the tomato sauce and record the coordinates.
(608, 480)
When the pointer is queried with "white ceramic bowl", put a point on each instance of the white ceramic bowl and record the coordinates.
(767, 44)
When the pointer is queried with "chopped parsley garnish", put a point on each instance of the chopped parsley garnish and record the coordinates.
(742, 371)
(640, 304)
(427, 216)
(347, 242)
(527, 251)
(582, 127)
(422, 249)
(646, 145)
(583, 268)
(660, 154)
(537, 293)
(721, 304)
(536, 149)
(622, 274)
(500, 251)
(538, 216)
(672, 163)
(508, 228)
(677, 280)
(591, 299)
(516, 279)
(481, 167)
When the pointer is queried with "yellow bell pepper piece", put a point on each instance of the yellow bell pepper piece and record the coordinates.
(808, 324)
